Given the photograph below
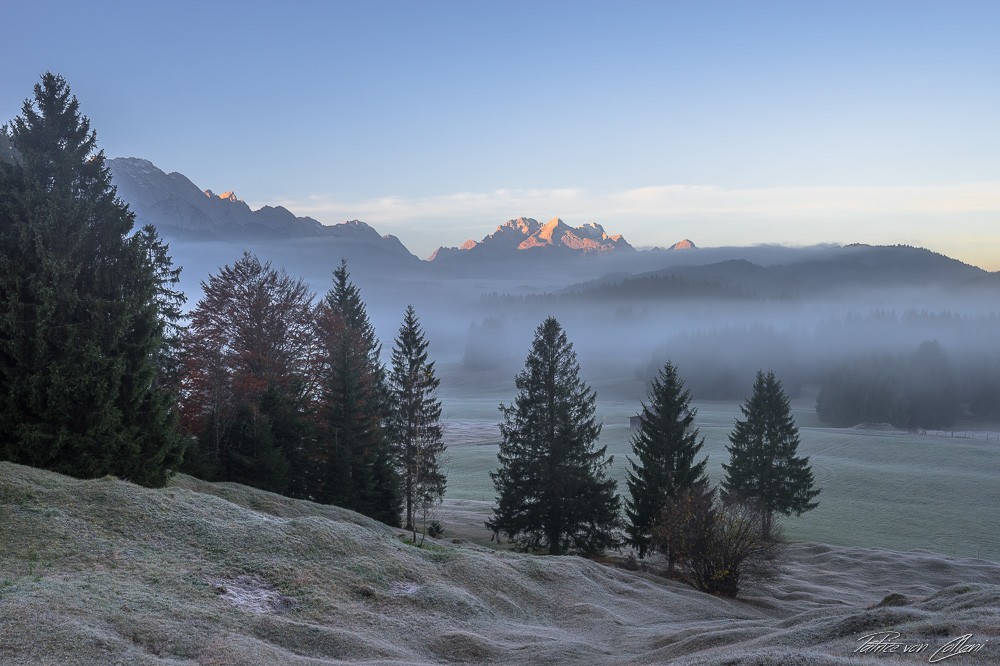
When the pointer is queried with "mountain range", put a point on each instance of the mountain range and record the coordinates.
(526, 234)
(181, 210)
(206, 230)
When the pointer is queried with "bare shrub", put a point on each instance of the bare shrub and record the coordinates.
(717, 546)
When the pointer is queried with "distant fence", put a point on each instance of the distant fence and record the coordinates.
(985, 435)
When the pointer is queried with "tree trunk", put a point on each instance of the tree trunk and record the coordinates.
(766, 524)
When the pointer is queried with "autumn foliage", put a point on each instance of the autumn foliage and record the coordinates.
(288, 395)
(251, 373)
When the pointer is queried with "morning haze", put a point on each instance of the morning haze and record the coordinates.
(654, 333)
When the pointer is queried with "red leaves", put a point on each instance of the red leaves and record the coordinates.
(251, 332)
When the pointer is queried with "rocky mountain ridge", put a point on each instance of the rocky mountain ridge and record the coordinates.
(180, 209)
(527, 234)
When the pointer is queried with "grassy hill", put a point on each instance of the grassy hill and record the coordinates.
(105, 572)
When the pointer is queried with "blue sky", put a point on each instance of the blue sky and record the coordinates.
(724, 122)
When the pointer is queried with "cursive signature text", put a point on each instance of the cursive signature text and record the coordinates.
(888, 642)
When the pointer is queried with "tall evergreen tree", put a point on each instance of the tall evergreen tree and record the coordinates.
(552, 486)
(169, 300)
(7, 154)
(416, 418)
(360, 468)
(763, 466)
(80, 326)
(665, 447)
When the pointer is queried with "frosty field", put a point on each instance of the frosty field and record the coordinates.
(106, 572)
(884, 489)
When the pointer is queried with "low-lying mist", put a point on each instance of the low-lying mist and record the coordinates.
(807, 314)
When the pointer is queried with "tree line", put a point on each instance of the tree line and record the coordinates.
(554, 494)
(264, 386)
(913, 391)
(288, 394)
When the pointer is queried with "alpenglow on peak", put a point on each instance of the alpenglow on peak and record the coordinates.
(527, 234)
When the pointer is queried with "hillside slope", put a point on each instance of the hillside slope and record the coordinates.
(107, 572)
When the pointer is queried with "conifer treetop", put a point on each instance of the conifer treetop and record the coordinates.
(665, 446)
(553, 491)
(764, 466)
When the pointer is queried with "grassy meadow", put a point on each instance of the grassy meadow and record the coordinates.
(107, 572)
(885, 489)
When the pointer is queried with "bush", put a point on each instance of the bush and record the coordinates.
(631, 562)
(718, 547)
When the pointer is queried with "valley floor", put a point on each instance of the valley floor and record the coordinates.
(880, 488)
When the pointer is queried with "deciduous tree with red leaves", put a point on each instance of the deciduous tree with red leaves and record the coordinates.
(251, 358)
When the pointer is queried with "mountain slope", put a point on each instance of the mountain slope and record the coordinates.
(102, 571)
(175, 205)
(835, 270)
(180, 210)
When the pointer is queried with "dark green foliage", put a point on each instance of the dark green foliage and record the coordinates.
(869, 390)
(645, 288)
(250, 354)
(7, 154)
(665, 447)
(552, 487)
(434, 529)
(169, 301)
(81, 329)
(931, 387)
(982, 385)
(763, 466)
(915, 391)
(660, 286)
(416, 423)
(355, 408)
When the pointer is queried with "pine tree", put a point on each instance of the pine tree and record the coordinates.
(665, 447)
(552, 486)
(80, 326)
(763, 467)
(417, 419)
(360, 468)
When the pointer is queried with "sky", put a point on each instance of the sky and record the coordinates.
(725, 122)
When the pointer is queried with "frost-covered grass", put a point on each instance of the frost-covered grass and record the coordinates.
(105, 572)
(879, 488)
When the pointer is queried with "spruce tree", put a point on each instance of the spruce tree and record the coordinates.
(7, 154)
(665, 447)
(360, 468)
(552, 487)
(169, 301)
(416, 425)
(763, 466)
(80, 325)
